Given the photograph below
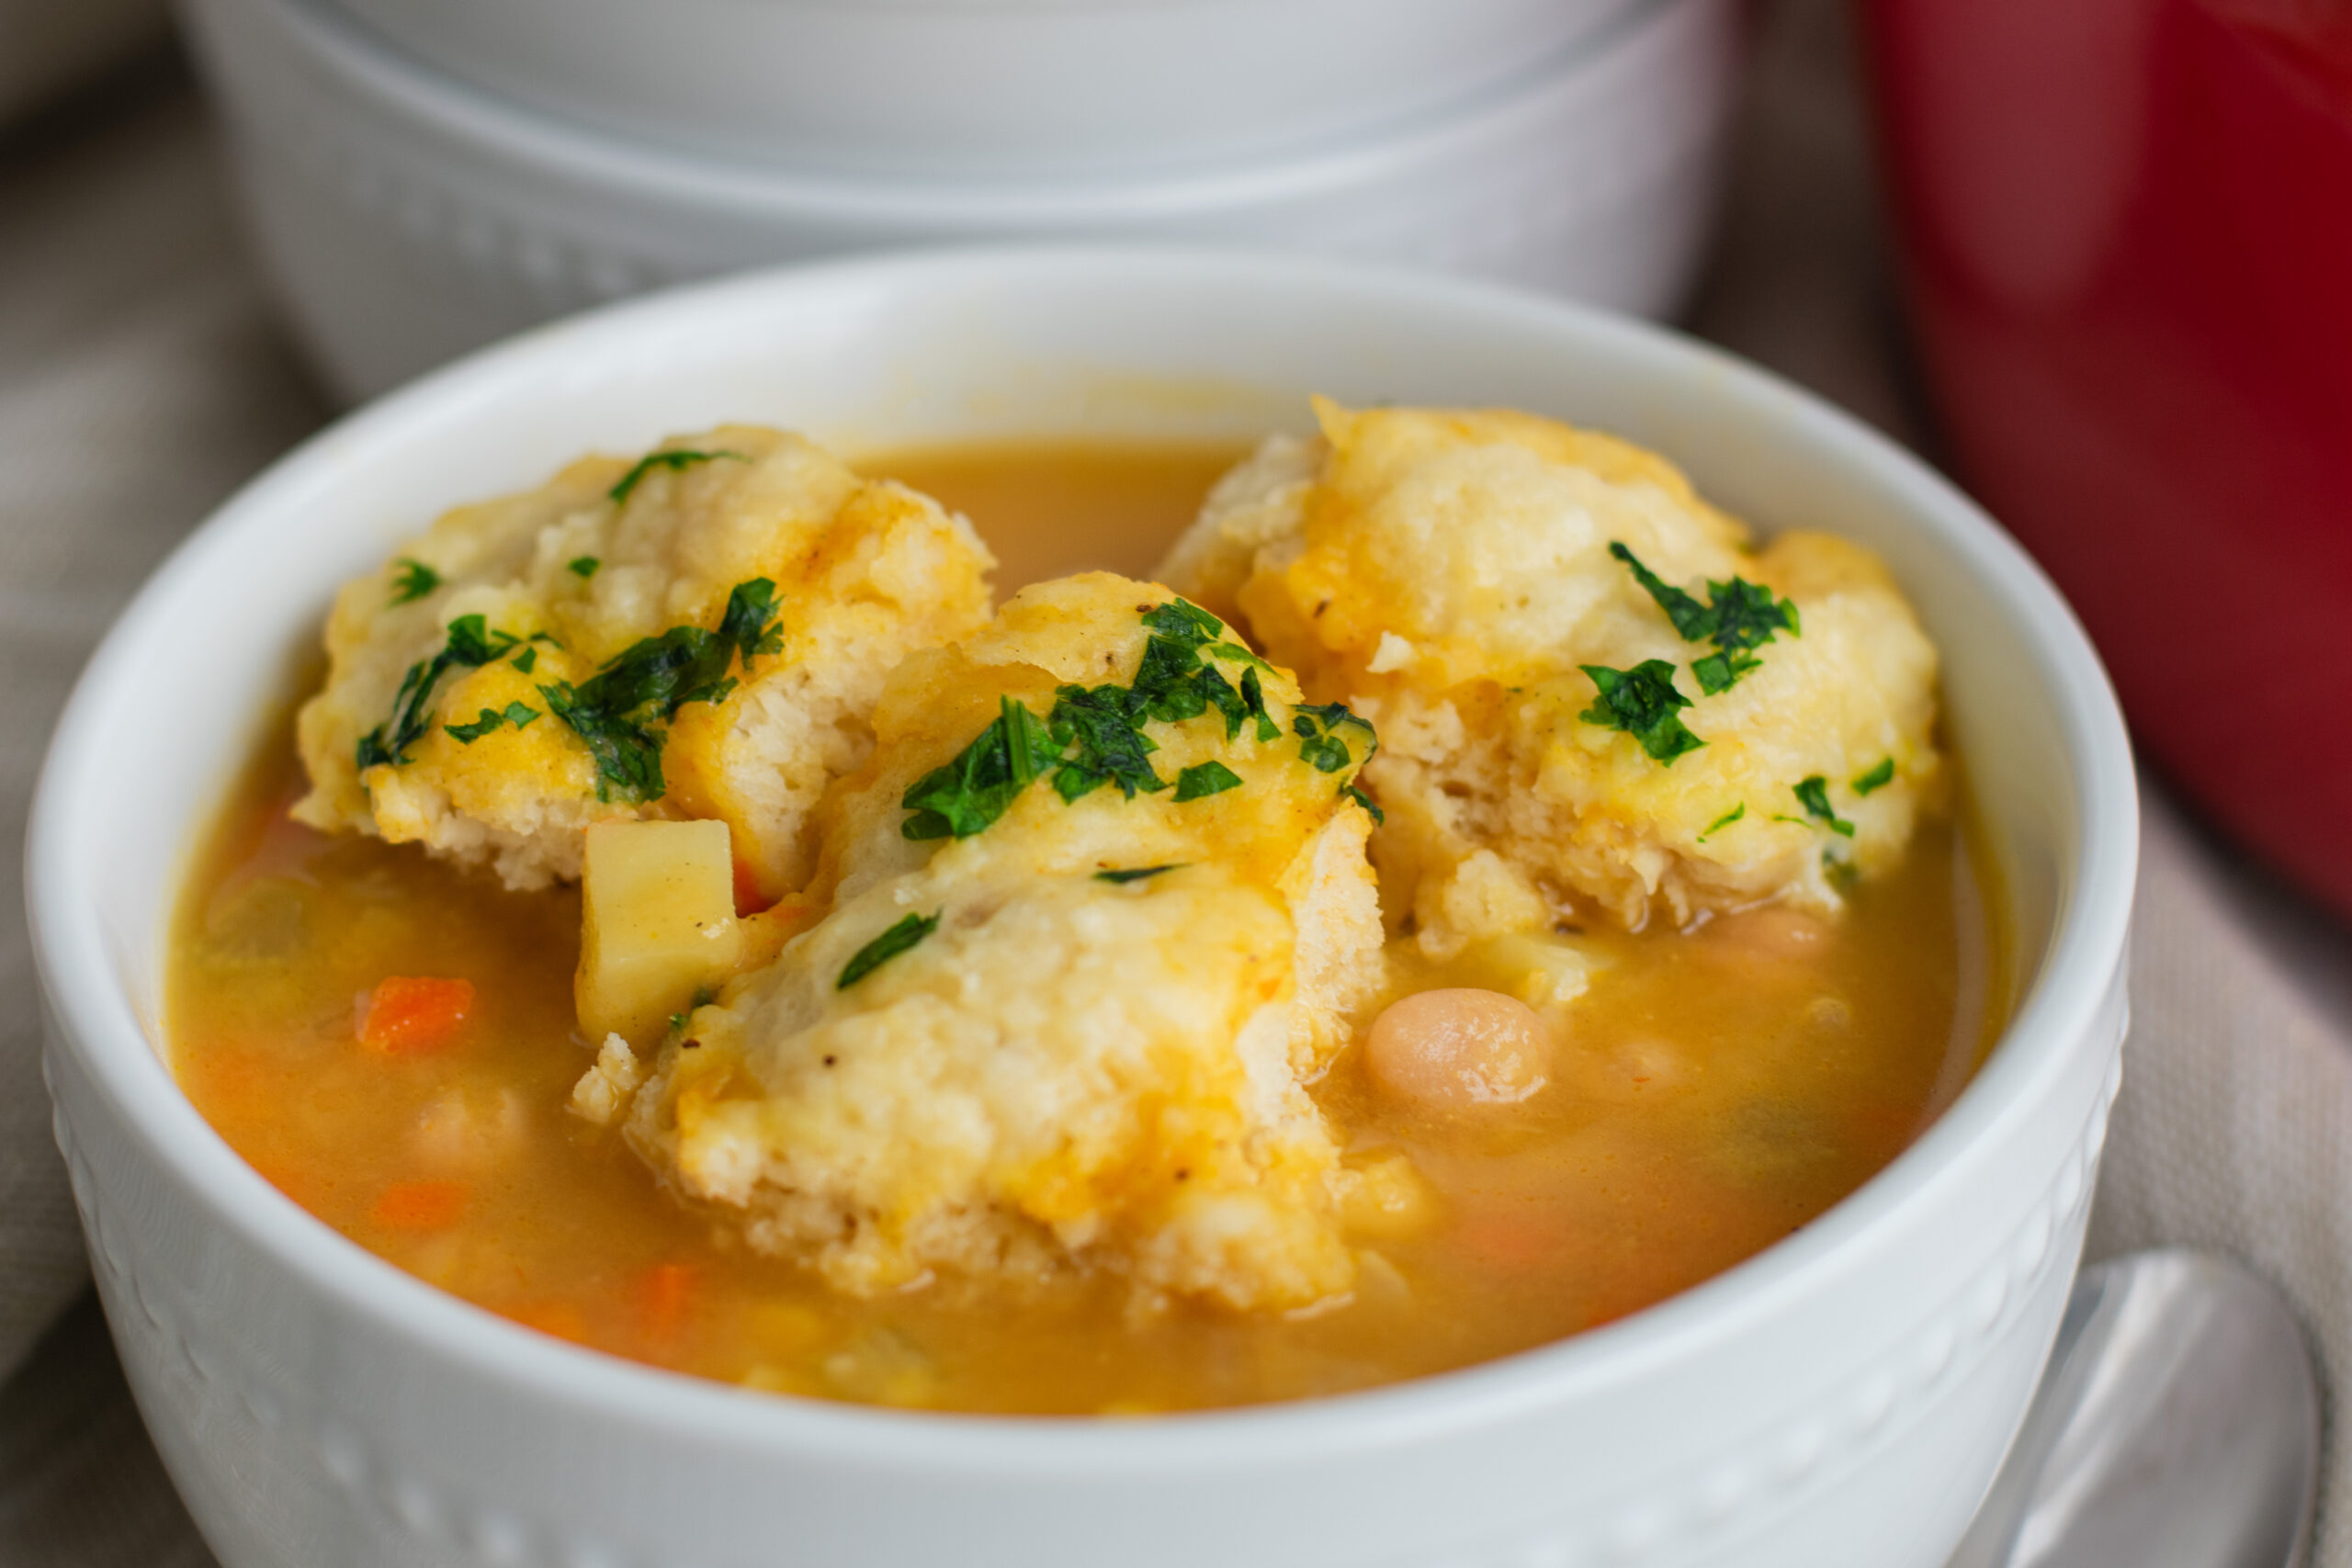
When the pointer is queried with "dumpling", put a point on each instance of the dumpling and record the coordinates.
(1101, 909)
(1471, 580)
(701, 632)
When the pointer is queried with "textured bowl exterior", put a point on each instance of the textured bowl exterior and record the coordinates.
(1843, 1398)
(405, 218)
(990, 87)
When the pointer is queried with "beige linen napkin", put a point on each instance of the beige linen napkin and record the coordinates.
(49, 47)
(141, 380)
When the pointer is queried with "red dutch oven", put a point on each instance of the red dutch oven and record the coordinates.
(2127, 228)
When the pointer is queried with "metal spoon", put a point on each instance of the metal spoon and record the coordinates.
(2177, 1427)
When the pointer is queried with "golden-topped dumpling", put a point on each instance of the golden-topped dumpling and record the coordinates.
(700, 633)
(1101, 906)
(1590, 684)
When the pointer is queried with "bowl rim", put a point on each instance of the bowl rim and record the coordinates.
(594, 155)
(95, 1021)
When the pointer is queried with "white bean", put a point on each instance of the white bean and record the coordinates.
(1458, 1050)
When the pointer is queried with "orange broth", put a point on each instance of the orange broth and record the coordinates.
(1715, 1094)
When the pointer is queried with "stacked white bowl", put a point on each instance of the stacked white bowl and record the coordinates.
(425, 176)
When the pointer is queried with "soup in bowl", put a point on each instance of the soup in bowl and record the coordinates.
(1601, 1043)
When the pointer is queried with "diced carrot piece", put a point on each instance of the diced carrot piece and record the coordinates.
(665, 1296)
(420, 1205)
(410, 1015)
(749, 899)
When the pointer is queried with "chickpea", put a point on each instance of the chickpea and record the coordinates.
(1773, 933)
(1458, 1050)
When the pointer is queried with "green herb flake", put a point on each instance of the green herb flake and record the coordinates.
(1238, 654)
(1139, 873)
(1110, 748)
(527, 661)
(520, 715)
(1095, 736)
(1184, 622)
(1750, 615)
(582, 566)
(910, 930)
(1320, 745)
(1643, 703)
(628, 753)
(466, 734)
(1726, 820)
(1328, 753)
(1741, 616)
(1813, 793)
(1694, 621)
(470, 645)
(1253, 702)
(1204, 778)
(1379, 818)
(981, 784)
(676, 462)
(1877, 778)
(751, 623)
(620, 714)
(413, 581)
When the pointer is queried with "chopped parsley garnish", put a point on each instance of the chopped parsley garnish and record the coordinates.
(1643, 703)
(620, 712)
(1139, 873)
(1238, 653)
(1741, 616)
(466, 734)
(1174, 684)
(1253, 701)
(413, 581)
(1094, 735)
(582, 566)
(1317, 725)
(884, 948)
(1109, 749)
(752, 622)
(471, 646)
(1204, 779)
(516, 714)
(1379, 818)
(676, 462)
(1693, 621)
(1877, 778)
(528, 661)
(967, 793)
(1185, 622)
(1726, 820)
(1813, 793)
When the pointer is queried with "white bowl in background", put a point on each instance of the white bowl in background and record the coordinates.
(1840, 1399)
(406, 218)
(994, 87)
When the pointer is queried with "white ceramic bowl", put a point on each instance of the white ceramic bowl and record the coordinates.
(986, 86)
(407, 217)
(1841, 1399)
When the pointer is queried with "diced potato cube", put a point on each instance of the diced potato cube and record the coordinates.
(1387, 1200)
(1542, 971)
(658, 925)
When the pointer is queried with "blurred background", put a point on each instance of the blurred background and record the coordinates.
(2089, 257)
